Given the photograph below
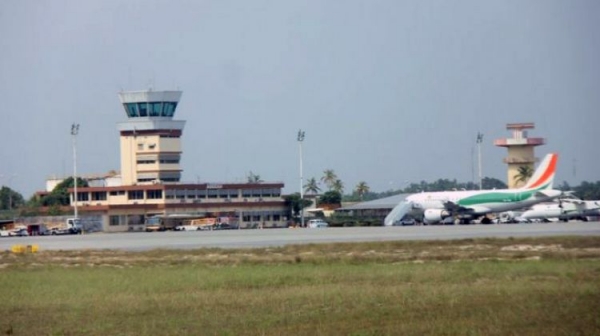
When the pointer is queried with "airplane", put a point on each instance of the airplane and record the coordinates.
(436, 207)
(564, 209)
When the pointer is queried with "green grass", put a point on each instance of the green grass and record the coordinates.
(476, 288)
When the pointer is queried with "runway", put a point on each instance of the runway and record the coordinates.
(140, 241)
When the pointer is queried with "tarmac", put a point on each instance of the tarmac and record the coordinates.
(256, 238)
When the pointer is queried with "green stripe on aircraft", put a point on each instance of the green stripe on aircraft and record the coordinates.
(500, 197)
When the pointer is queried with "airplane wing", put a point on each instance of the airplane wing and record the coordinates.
(548, 193)
(461, 210)
(572, 200)
(455, 208)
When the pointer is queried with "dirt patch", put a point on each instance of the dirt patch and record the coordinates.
(534, 248)
(357, 253)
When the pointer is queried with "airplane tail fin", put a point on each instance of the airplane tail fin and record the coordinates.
(543, 177)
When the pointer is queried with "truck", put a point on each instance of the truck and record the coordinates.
(70, 226)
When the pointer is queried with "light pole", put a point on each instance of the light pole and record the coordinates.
(74, 131)
(300, 139)
(479, 141)
(10, 192)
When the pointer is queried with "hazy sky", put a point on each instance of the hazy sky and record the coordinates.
(386, 91)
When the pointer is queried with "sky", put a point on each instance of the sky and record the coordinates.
(387, 92)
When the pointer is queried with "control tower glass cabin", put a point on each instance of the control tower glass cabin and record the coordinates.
(150, 138)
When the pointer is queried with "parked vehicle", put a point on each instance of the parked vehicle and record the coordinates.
(317, 223)
(406, 221)
(187, 228)
(19, 233)
(224, 226)
(38, 229)
(70, 226)
(174, 222)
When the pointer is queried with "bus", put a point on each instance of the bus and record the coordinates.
(186, 222)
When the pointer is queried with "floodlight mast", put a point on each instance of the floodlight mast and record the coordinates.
(479, 141)
(74, 132)
(300, 140)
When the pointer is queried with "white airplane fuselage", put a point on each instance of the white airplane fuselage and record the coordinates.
(563, 210)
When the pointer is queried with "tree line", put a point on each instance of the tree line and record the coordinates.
(328, 189)
(54, 200)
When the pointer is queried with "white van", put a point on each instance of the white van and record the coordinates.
(317, 223)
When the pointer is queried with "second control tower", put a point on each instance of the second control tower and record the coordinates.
(520, 150)
(150, 138)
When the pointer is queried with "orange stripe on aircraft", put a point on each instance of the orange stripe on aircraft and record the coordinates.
(548, 173)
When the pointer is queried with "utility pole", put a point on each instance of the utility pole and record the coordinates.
(10, 192)
(74, 132)
(300, 139)
(479, 141)
(472, 164)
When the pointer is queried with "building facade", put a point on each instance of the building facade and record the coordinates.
(149, 183)
(126, 208)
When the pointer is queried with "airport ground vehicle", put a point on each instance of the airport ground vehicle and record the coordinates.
(186, 228)
(185, 222)
(317, 223)
(179, 222)
(19, 233)
(224, 226)
(70, 226)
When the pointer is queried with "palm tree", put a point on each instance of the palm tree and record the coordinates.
(329, 178)
(361, 189)
(312, 186)
(338, 186)
(524, 174)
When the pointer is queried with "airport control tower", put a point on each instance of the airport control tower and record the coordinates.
(150, 138)
(520, 150)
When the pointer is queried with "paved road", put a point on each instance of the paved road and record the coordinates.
(277, 237)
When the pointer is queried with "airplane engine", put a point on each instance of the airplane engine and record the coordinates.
(432, 216)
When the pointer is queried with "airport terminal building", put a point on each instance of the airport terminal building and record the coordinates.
(149, 182)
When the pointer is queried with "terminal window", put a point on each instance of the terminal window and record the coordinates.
(154, 194)
(135, 194)
(99, 196)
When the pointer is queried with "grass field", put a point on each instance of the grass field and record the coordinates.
(548, 286)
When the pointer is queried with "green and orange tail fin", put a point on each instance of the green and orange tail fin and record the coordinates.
(543, 177)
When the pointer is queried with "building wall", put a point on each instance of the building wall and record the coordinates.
(126, 208)
(128, 174)
(152, 147)
(518, 156)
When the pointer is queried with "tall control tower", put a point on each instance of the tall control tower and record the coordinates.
(150, 138)
(520, 150)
